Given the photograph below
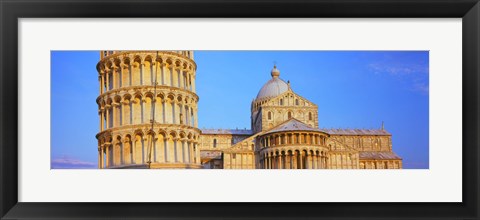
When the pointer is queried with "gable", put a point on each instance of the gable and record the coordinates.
(289, 98)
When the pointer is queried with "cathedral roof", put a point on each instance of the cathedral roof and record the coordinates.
(227, 131)
(292, 125)
(273, 87)
(375, 155)
(355, 131)
(210, 154)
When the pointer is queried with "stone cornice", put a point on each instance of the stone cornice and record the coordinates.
(294, 147)
(294, 132)
(147, 126)
(121, 55)
(143, 89)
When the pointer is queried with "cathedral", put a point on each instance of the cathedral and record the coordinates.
(148, 119)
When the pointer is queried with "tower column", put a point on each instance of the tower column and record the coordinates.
(307, 160)
(172, 70)
(99, 157)
(163, 111)
(114, 75)
(108, 116)
(313, 159)
(114, 112)
(265, 161)
(183, 73)
(162, 66)
(108, 80)
(187, 115)
(301, 160)
(142, 73)
(102, 156)
(167, 149)
(193, 84)
(179, 76)
(281, 161)
(270, 160)
(294, 159)
(125, 117)
(100, 82)
(101, 114)
(108, 152)
(120, 77)
(190, 147)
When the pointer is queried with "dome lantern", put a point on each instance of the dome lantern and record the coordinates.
(275, 71)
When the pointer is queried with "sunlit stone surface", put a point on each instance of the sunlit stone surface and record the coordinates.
(284, 132)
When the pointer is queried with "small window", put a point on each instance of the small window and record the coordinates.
(214, 143)
(281, 101)
(310, 116)
(297, 102)
(269, 116)
(234, 156)
(289, 115)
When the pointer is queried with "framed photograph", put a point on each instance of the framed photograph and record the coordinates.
(225, 109)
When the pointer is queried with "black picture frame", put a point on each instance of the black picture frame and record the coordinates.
(12, 10)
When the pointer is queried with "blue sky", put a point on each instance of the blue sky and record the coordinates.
(353, 89)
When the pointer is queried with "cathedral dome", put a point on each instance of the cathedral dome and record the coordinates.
(273, 87)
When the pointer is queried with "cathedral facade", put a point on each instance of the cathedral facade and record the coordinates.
(148, 119)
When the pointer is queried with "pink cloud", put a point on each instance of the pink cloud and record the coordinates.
(66, 162)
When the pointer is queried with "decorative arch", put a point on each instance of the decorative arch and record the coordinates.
(127, 149)
(118, 151)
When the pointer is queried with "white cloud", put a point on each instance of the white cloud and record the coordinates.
(416, 75)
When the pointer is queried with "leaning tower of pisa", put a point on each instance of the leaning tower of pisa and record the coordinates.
(148, 110)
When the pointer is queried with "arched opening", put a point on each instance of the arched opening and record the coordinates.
(311, 160)
(289, 115)
(288, 160)
(127, 150)
(126, 76)
(310, 117)
(304, 159)
(118, 152)
(172, 148)
(118, 111)
(138, 151)
(137, 110)
(127, 110)
(269, 115)
(148, 71)
(160, 148)
(147, 108)
(298, 160)
(136, 72)
(159, 109)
